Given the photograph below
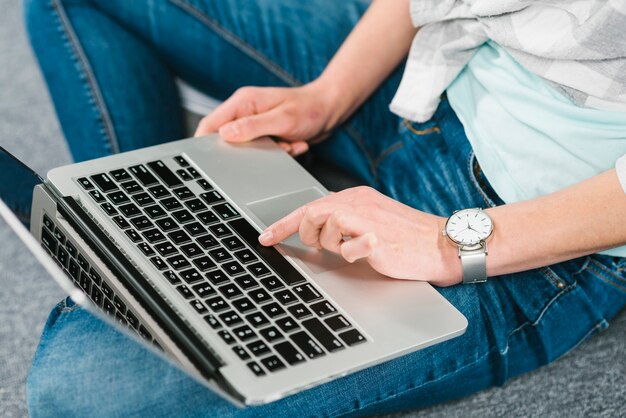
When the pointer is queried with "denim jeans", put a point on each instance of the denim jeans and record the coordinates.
(110, 67)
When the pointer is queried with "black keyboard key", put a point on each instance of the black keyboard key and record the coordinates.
(323, 308)
(286, 297)
(212, 321)
(256, 369)
(287, 324)
(158, 263)
(258, 269)
(171, 203)
(166, 248)
(47, 222)
(82, 262)
(220, 255)
(120, 175)
(178, 262)
(64, 256)
(171, 277)
(322, 334)
(71, 249)
(143, 199)
(233, 268)
(244, 333)
(230, 291)
(352, 337)
(217, 304)
(85, 183)
(246, 282)
(273, 363)
(233, 243)
(108, 307)
(203, 263)
(243, 305)
(108, 292)
(164, 173)
(273, 310)
(258, 348)
(191, 275)
(194, 173)
(226, 211)
(166, 224)
(299, 311)
(130, 210)
(195, 229)
(84, 282)
(230, 318)
(308, 346)
(204, 184)
(212, 197)
(59, 235)
(337, 323)
(132, 187)
(199, 306)
(97, 196)
(307, 293)
(141, 223)
(271, 334)
(159, 191)
(183, 216)
(259, 296)
(109, 209)
(272, 283)
(154, 235)
(155, 212)
(220, 230)
(241, 352)
(217, 277)
(96, 296)
(207, 217)
(204, 290)
(119, 305)
(120, 319)
(289, 353)
(184, 175)
(275, 259)
(121, 222)
(183, 193)
(195, 205)
(49, 241)
(143, 175)
(104, 182)
(257, 319)
(133, 235)
(179, 237)
(74, 270)
(118, 197)
(146, 249)
(207, 241)
(191, 250)
(246, 256)
(132, 320)
(144, 333)
(226, 336)
(181, 161)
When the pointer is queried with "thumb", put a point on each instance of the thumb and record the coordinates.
(271, 123)
(360, 247)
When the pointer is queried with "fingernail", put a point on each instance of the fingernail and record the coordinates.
(229, 131)
(266, 237)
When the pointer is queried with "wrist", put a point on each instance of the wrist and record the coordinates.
(338, 102)
(452, 272)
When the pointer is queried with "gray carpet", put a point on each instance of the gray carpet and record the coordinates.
(591, 381)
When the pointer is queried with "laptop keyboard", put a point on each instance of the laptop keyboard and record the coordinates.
(69, 258)
(256, 301)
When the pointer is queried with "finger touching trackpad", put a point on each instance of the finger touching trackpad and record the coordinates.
(274, 208)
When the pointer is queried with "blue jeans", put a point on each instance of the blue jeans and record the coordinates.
(110, 66)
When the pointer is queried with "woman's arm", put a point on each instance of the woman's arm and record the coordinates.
(405, 243)
(375, 47)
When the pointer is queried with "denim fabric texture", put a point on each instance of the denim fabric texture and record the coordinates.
(110, 66)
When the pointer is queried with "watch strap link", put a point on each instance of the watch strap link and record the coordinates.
(474, 265)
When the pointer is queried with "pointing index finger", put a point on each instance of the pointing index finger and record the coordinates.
(283, 228)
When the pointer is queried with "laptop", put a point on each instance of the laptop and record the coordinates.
(162, 244)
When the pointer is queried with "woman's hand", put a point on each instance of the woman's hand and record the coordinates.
(295, 115)
(395, 239)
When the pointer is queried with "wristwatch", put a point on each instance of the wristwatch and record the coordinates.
(469, 230)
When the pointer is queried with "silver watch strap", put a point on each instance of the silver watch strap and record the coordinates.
(474, 265)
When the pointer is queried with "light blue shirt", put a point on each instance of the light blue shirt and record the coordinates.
(529, 138)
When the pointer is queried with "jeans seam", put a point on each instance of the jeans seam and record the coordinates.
(387, 152)
(93, 89)
(474, 180)
(420, 132)
(271, 66)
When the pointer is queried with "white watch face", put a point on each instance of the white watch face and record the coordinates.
(469, 226)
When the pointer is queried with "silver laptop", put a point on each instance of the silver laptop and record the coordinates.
(162, 243)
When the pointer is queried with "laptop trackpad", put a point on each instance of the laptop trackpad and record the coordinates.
(274, 208)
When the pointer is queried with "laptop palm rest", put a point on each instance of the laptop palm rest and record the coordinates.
(274, 208)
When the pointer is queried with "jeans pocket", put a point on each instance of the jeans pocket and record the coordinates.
(610, 270)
